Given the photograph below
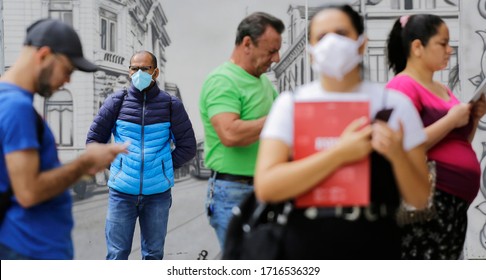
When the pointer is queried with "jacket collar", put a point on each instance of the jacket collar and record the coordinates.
(150, 92)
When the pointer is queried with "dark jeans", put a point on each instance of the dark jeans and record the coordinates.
(152, 212)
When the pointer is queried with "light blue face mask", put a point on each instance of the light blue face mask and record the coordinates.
(141, 80)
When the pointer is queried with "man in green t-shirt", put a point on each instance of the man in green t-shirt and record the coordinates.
(235, 100)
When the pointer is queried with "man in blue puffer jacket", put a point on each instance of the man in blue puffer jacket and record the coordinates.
(140, 181)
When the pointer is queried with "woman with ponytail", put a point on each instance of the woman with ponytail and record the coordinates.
(417, 47)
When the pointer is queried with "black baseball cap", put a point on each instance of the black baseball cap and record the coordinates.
(61, 38)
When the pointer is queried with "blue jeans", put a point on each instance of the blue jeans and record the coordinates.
(153, 214)
(222, 196)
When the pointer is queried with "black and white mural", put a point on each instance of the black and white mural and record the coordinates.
(192, 37)
(472, 73)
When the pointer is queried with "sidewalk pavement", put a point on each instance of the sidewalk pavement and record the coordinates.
(189, 232)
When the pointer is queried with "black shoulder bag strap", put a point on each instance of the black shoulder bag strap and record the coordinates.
(5, 197)
(384, 113)
(119, 105)
(171, 135)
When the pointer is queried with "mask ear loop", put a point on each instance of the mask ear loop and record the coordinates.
(154, 71)
(152, 75)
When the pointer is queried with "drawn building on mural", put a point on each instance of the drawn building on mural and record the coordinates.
(110, 30)
(293, 68)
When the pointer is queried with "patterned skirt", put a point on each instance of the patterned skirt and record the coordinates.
(441, 238)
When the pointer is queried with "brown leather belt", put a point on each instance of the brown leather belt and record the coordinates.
(233, 178)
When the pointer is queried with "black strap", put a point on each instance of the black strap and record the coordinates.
(5, 202)
(171, 136)
(5, 197)
(170, 109)
(384, 113)
(119, 105)
(39, 128)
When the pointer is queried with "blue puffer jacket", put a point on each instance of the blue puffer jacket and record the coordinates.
(146, 119)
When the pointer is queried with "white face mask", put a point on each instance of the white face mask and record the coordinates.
(335, 55)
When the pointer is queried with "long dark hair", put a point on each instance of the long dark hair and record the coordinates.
(421, 27)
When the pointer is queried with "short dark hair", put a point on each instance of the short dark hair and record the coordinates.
(356, 19)
(421, 27)
(255, 25)
(154, 59)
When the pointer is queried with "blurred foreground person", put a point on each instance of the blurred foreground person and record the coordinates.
(396, 150)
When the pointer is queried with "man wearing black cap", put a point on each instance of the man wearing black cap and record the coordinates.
(38, 221)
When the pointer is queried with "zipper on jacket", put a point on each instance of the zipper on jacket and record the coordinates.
(143, 143)
(163, 172)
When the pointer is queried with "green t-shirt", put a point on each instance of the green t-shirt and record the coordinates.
(230, 89)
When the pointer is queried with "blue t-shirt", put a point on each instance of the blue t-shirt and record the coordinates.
(42, 231)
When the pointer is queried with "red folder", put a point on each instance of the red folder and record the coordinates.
(317, 126)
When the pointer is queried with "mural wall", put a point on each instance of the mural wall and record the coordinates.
(192, 37)
(472, 71)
